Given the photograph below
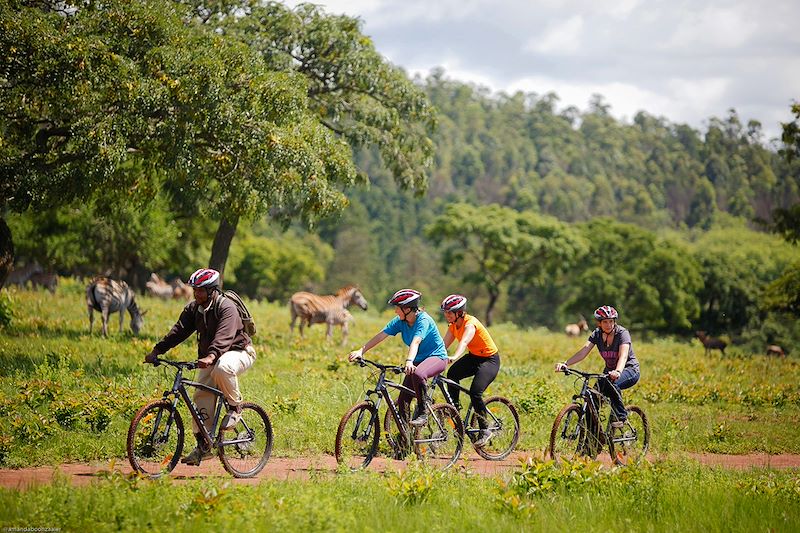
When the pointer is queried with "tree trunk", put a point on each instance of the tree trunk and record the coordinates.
(6, 252)
(222, 243)
(493, 296)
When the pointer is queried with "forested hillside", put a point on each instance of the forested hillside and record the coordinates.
(148, 144)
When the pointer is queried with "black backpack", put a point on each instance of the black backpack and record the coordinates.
(247, 318)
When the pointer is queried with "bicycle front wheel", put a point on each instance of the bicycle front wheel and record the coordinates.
(155, 439)
(440, 440)
(245, 449)
(395, 437)
(503, 422)
(574, 434)
(358, 435)
(629, 444)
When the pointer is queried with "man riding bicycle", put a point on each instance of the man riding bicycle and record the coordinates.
(615, 347)
(224, 352)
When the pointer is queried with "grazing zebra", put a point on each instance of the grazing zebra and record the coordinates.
(158, 287)
(111, 296)
(20, 276)
(314, 309)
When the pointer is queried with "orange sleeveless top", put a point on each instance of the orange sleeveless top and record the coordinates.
(482, 343)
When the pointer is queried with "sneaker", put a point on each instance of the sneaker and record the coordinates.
(618, 424)
(195, 456)
(230, 419)
(421, 420)
(484, 438)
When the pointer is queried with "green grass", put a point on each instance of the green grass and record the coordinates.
(69, 396)
(668, 496)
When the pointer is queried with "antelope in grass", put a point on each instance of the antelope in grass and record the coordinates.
(315, 309)
(711, 343)
(110, 296)
(774, 349)
(573, 330)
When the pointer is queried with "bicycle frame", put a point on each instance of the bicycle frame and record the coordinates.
(590, 400)
(178, 392)
(381, 390)
(442, 382)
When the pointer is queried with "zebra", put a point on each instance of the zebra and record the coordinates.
(21, 276)
(110, 296)
(314, 309)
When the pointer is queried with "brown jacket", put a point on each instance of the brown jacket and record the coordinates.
(219, 329)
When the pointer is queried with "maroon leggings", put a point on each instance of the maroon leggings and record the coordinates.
(416, 381)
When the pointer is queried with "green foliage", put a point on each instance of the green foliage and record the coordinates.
(6, 309)
(274, 268)
(492, 246)
(413, 485)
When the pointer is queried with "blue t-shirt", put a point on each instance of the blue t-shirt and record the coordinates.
(425, 328)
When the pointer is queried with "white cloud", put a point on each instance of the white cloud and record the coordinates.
(719, 28)
(562, 37)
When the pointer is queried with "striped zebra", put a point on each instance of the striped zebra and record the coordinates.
(314, 309)
(110, 296)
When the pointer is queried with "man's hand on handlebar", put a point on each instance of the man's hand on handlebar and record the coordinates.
(151, 358)
(355, 355)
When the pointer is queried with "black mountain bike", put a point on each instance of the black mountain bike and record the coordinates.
(156, 434)
(579, 427)
(503, 421)
(439, 441)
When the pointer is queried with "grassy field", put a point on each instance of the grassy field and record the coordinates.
(68, 396)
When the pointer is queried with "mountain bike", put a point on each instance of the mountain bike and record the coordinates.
(502, 420)
(156, 434)
(578, 429)
(439, 441)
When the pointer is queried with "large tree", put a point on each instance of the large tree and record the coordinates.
(352, 90)
(90, 93)
(492, 246)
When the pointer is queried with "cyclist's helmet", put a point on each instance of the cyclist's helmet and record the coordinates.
(454, 302)
(605, 311)
(205, 277)
(405, 298)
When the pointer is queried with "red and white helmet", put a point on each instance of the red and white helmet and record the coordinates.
(405, 298)
(204, 277)
(454, 302)
(605, 311)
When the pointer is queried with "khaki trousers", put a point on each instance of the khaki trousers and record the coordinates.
(222, 375)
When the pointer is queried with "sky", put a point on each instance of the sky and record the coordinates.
(686, 61)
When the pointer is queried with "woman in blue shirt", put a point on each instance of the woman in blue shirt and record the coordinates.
(427, 355)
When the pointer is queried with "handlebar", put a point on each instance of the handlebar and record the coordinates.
(586, 375)
(186, 365)
(393, 368)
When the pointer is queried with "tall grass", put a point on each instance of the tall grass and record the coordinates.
(69, 396)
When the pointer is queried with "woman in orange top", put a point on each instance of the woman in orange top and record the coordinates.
(476, 355)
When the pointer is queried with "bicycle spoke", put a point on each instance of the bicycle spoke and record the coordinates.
(245, 449)
(441, 439)
(155, 439)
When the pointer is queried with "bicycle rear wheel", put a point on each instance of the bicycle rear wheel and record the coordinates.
(503, 422)
(155, 439)
(358, 435)
(245, 449)
(629, 444)
(440, 440)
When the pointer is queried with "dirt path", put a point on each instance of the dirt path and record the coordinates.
(284, 468)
